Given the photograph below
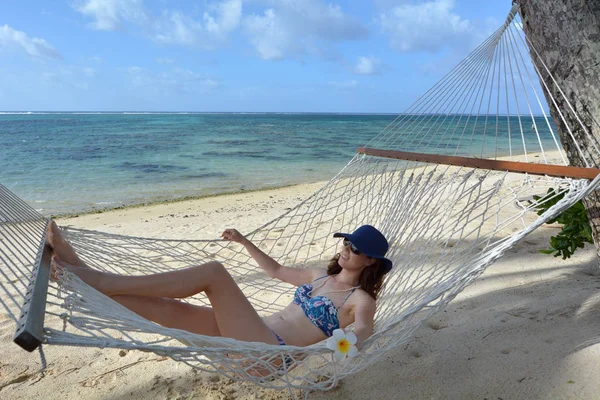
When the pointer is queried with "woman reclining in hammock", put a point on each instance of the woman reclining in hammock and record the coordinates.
(326, 299)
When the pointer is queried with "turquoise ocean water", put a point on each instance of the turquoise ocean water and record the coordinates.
(65, 163)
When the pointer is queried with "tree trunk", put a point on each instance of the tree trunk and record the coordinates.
(566, 34)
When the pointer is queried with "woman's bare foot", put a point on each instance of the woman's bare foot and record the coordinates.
(89, 275)
(61, 247)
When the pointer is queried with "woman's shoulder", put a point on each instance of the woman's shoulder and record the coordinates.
(314, 274)
(318, 273)
(361, 304)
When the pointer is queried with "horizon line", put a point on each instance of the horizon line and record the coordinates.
(256, 112)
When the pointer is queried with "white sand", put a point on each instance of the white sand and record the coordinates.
(526, 329)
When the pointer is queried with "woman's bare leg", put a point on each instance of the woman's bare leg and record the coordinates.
(176, 284)
(234, 315)
(172, 313)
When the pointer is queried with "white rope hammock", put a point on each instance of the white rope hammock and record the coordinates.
(445, 222)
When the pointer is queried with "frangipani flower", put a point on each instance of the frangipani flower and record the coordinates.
(342, 344)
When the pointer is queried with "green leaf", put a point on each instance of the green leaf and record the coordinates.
(576, 230)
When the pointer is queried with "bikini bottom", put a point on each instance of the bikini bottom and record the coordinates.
(288, 361)
(279, 339)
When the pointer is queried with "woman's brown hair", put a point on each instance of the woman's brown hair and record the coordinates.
(370, 279)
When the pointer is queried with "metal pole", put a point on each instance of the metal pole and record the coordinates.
(30, 329)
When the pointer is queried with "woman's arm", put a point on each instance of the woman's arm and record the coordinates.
(364, 316)
(295, 276)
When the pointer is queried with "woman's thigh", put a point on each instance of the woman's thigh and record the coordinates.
(234, 314)
(172, 313)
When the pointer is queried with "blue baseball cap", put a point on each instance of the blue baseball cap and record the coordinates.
(370, 242)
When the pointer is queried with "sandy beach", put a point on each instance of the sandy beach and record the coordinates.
(526, 329)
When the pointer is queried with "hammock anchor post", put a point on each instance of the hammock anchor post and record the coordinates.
(30, 329)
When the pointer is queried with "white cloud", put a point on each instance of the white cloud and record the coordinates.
(426, 26)
(171, 26)
(177, 28)
(35, 47)
(228, 16)
(109, 15)
(367, 66)
(269, 35)
(292, 27)
(283, 28)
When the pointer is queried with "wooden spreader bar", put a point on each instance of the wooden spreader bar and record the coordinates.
(496, 165)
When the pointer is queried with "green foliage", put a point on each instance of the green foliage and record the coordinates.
(576, 230)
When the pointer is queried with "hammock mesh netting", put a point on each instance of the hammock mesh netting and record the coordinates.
(445, 223)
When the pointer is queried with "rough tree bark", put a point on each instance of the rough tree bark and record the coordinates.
(566, 34)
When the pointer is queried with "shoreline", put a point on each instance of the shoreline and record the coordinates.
(197, 218)
(157, 202)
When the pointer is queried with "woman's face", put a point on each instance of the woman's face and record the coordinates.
(350, 260)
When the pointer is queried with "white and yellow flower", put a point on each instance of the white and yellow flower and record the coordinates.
(342, 344)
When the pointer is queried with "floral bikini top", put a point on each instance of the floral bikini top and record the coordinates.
(320, 310)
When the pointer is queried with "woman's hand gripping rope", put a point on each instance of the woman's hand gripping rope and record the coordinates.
(234, 236)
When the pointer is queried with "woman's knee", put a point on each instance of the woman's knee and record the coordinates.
(218, 277)
(216, 268)
(214, 265)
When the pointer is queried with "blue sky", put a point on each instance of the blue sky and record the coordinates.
(233, 55)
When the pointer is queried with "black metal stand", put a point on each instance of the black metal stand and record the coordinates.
(30, 330)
